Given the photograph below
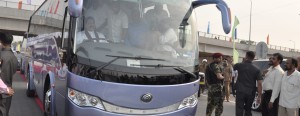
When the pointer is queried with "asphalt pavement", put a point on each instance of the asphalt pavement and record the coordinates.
(228, 107)
(21, 104)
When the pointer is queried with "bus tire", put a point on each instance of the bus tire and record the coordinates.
(47, 102)
(21, 69)
(29, 92)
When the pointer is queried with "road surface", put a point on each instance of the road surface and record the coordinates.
(229, 107)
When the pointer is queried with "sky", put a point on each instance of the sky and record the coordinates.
(278, 18)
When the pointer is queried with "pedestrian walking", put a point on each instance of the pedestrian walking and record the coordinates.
(214, 79)
(248, 76)
(227, 79)
(272, 79)
(203, 65)
(202, 84)
(8, 68)
(233, 75)
(289, 90)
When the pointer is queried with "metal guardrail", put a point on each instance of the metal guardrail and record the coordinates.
(11, 4)
(241, 41)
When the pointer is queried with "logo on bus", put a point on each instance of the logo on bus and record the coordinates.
(146, 97)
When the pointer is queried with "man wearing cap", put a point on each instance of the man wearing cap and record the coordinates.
(203, 65)
(8, 68)
(227, 78)
(214, 77)
(202, 68)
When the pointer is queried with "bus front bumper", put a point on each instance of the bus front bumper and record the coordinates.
(75, 110)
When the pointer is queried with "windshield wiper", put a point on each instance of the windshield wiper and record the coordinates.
(123, 57)
(177, 68)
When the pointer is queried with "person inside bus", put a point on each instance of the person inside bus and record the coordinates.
(90, 33)
(137, 30)
(140, 32)
(168, 40)
(117, 23)
(99, 10)
(155, 15)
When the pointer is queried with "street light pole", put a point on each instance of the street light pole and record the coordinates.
(250, 23)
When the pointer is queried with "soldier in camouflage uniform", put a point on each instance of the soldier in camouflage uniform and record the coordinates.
(227, 79)
(214, 77)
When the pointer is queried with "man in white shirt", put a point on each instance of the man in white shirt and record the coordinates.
(168, 40)
(118, 23)
(99, 11)
(89, 33)
(271, 86)
(290, 90)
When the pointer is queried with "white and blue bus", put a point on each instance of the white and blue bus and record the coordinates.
(115, 57)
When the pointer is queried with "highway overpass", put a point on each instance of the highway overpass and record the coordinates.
(211, 43)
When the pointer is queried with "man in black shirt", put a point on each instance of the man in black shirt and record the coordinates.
(248, 75)
(8, 68)
(214, 77)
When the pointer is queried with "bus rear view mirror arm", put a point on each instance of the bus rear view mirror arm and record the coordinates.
(222, 6)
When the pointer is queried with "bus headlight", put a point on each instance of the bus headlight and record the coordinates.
(84, 100)
(189, 101)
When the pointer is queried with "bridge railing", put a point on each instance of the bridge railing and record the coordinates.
(246, 42)
(11, 4)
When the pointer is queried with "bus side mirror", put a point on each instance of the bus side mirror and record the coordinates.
(224, 9)
(226, 17)
(75, 7)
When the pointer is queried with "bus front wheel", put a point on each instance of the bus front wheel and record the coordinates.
(47, 102)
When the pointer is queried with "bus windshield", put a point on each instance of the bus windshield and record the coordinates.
(136, 28)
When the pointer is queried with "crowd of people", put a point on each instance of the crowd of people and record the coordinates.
(277, 89)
